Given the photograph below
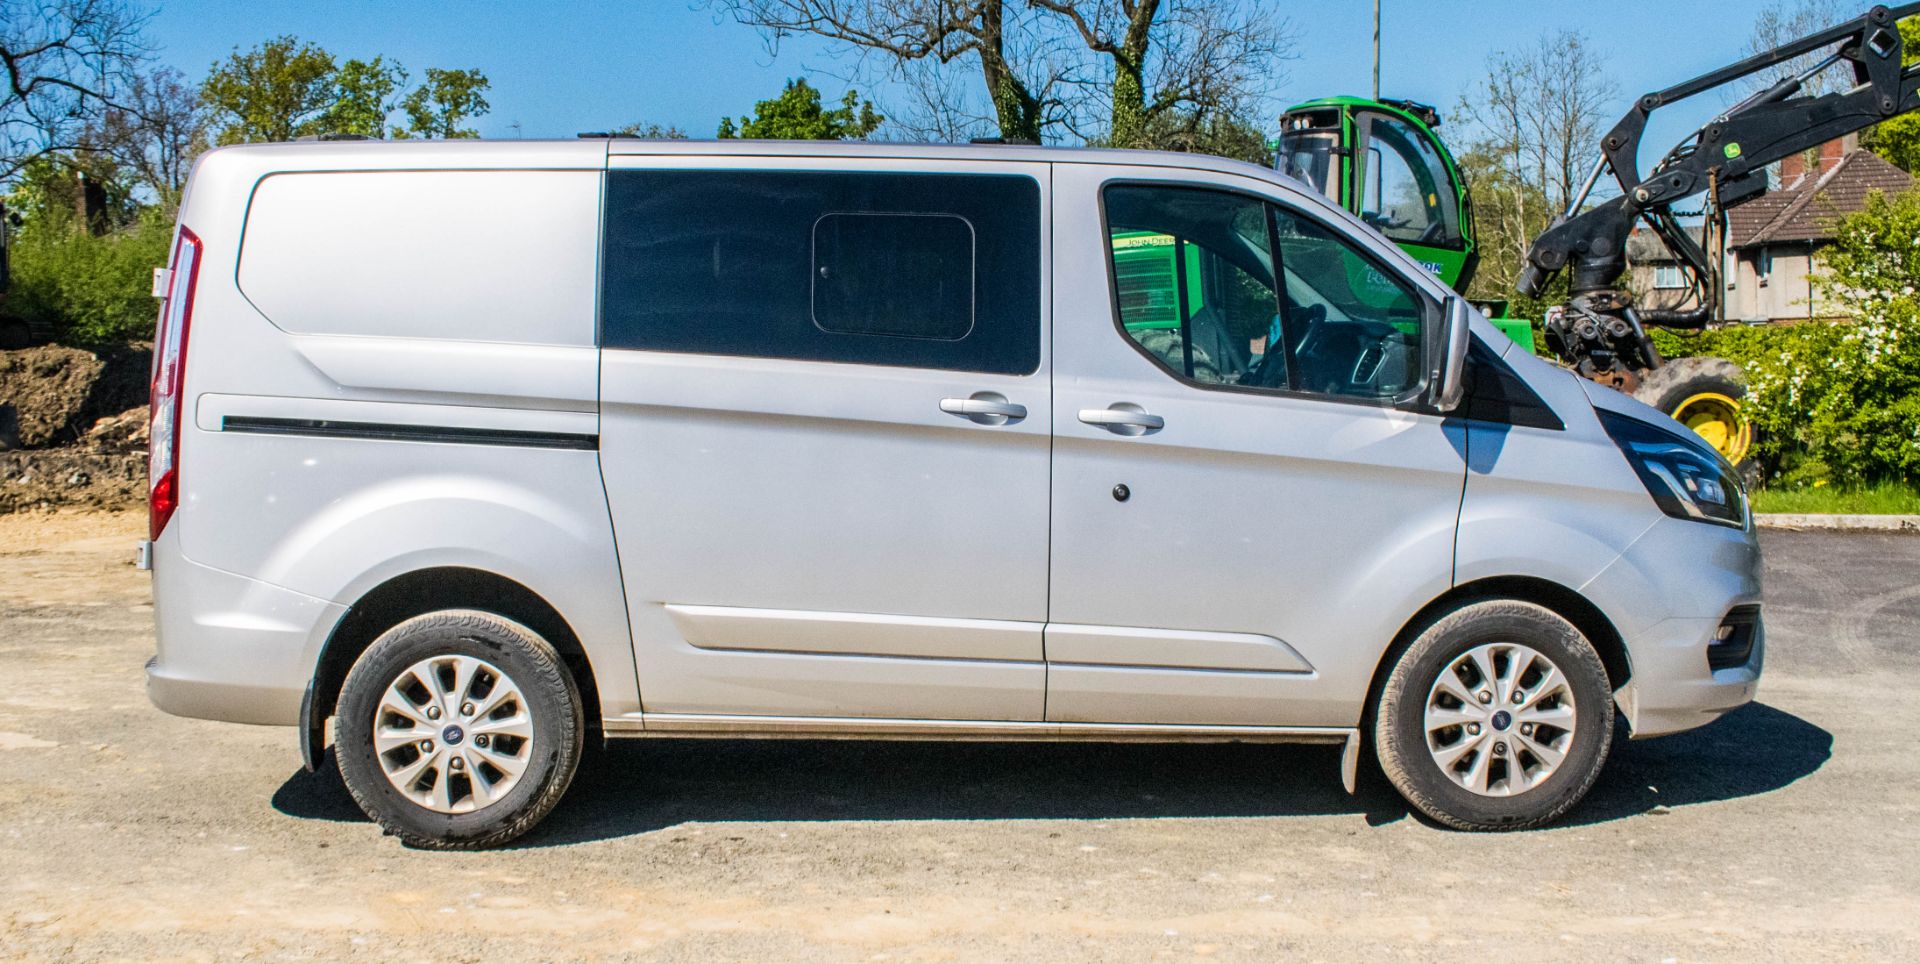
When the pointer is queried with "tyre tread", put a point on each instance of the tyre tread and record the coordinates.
(1399, 765)
(549, 671)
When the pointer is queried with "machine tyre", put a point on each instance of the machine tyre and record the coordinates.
(1708, 395)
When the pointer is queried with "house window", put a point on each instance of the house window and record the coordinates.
(1763, 265)
(1668, 276)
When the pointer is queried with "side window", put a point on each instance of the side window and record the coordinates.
(1405, 190)
(906, 275)
(909, 270)
(1354, 330)
(1193, 270)
(1194, 275)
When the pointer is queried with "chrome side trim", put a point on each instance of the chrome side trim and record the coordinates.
(855, 634)
(1171, 649)
(847, 728)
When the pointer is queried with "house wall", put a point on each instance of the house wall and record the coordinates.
(1641, 280)
(1785, 293)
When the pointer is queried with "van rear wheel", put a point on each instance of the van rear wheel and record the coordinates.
(1498, 717)
(458, 730)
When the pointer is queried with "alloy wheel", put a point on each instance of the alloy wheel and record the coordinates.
(1500, 719)
(453, 734)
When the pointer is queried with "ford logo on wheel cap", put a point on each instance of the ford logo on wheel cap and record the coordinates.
(452, 735)
(1501, 721)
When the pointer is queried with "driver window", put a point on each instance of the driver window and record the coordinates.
(1407, 194)
(1194, 271)
(1354, 330)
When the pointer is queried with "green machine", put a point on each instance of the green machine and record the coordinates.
(1381, 160)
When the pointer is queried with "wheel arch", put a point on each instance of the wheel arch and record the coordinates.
(421, 591)
(1562, 601)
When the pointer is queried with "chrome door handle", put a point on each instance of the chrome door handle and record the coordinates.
(986, 408)
(1123, 418)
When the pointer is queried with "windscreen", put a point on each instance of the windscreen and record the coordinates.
(1309, 156)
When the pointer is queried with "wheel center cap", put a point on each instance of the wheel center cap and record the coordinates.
(1501, 721)
(453, 735)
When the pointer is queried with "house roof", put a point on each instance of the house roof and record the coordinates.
(1805, 209)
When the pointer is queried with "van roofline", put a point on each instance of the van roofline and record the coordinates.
(361, 151)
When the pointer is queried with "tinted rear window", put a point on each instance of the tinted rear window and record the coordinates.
(913, 270)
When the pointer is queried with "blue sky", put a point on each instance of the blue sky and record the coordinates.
(558, 68)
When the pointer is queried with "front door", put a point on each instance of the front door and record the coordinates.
(1247, 500)
(824, 435)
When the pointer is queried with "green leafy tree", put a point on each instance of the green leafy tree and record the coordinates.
(364, 94)
(656, 132)
(797, 115)
(93, 288)
(54, 192)
(1204, 133)
(286, 88)
(277, 91)
(441, 106)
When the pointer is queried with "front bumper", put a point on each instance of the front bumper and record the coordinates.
(1673, 689)
(1668, 595)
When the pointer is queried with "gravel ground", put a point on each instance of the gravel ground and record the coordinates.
(1786, 831)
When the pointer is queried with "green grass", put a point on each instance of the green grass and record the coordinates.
(1886, 498)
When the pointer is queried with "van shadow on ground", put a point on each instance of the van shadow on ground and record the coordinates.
(639, 786)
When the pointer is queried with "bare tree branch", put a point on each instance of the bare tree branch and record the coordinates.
(1781, 21)
(1538, 118)
(66, 62)
(908, 31)
(1175, 66)
(157, 135)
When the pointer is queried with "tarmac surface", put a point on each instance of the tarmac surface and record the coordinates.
(1786, 831)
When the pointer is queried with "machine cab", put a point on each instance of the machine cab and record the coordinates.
(1381, 161)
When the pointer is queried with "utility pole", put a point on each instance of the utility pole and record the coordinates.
(1376, 49)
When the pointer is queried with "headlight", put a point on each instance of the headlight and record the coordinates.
(1687, 479)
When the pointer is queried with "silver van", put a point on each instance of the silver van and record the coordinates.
(484, 451)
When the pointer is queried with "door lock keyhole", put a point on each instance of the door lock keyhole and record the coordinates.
(1121, 493)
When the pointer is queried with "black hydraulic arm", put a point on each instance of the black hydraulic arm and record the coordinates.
(1729, 153)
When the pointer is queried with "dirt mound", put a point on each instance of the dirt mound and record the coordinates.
(59, 393)
(72, 478)
(121, 434)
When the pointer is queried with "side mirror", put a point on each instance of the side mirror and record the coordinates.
(1447, 382)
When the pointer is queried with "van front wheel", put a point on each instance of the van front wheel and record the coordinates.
(1498, 717)
(458, 730)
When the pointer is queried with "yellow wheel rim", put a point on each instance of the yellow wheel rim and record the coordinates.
(1717, 418)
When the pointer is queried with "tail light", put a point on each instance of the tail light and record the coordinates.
(169, 380)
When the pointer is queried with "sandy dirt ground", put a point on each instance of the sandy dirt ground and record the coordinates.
(1785, 832)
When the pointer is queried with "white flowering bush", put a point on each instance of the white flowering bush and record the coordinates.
(1848, 393)
(1839, 401)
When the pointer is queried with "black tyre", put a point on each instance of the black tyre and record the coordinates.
(1708, 395)
(458, 730)
(1498, 717)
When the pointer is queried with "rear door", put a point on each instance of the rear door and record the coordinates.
(1247, 499)
(825, 432)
